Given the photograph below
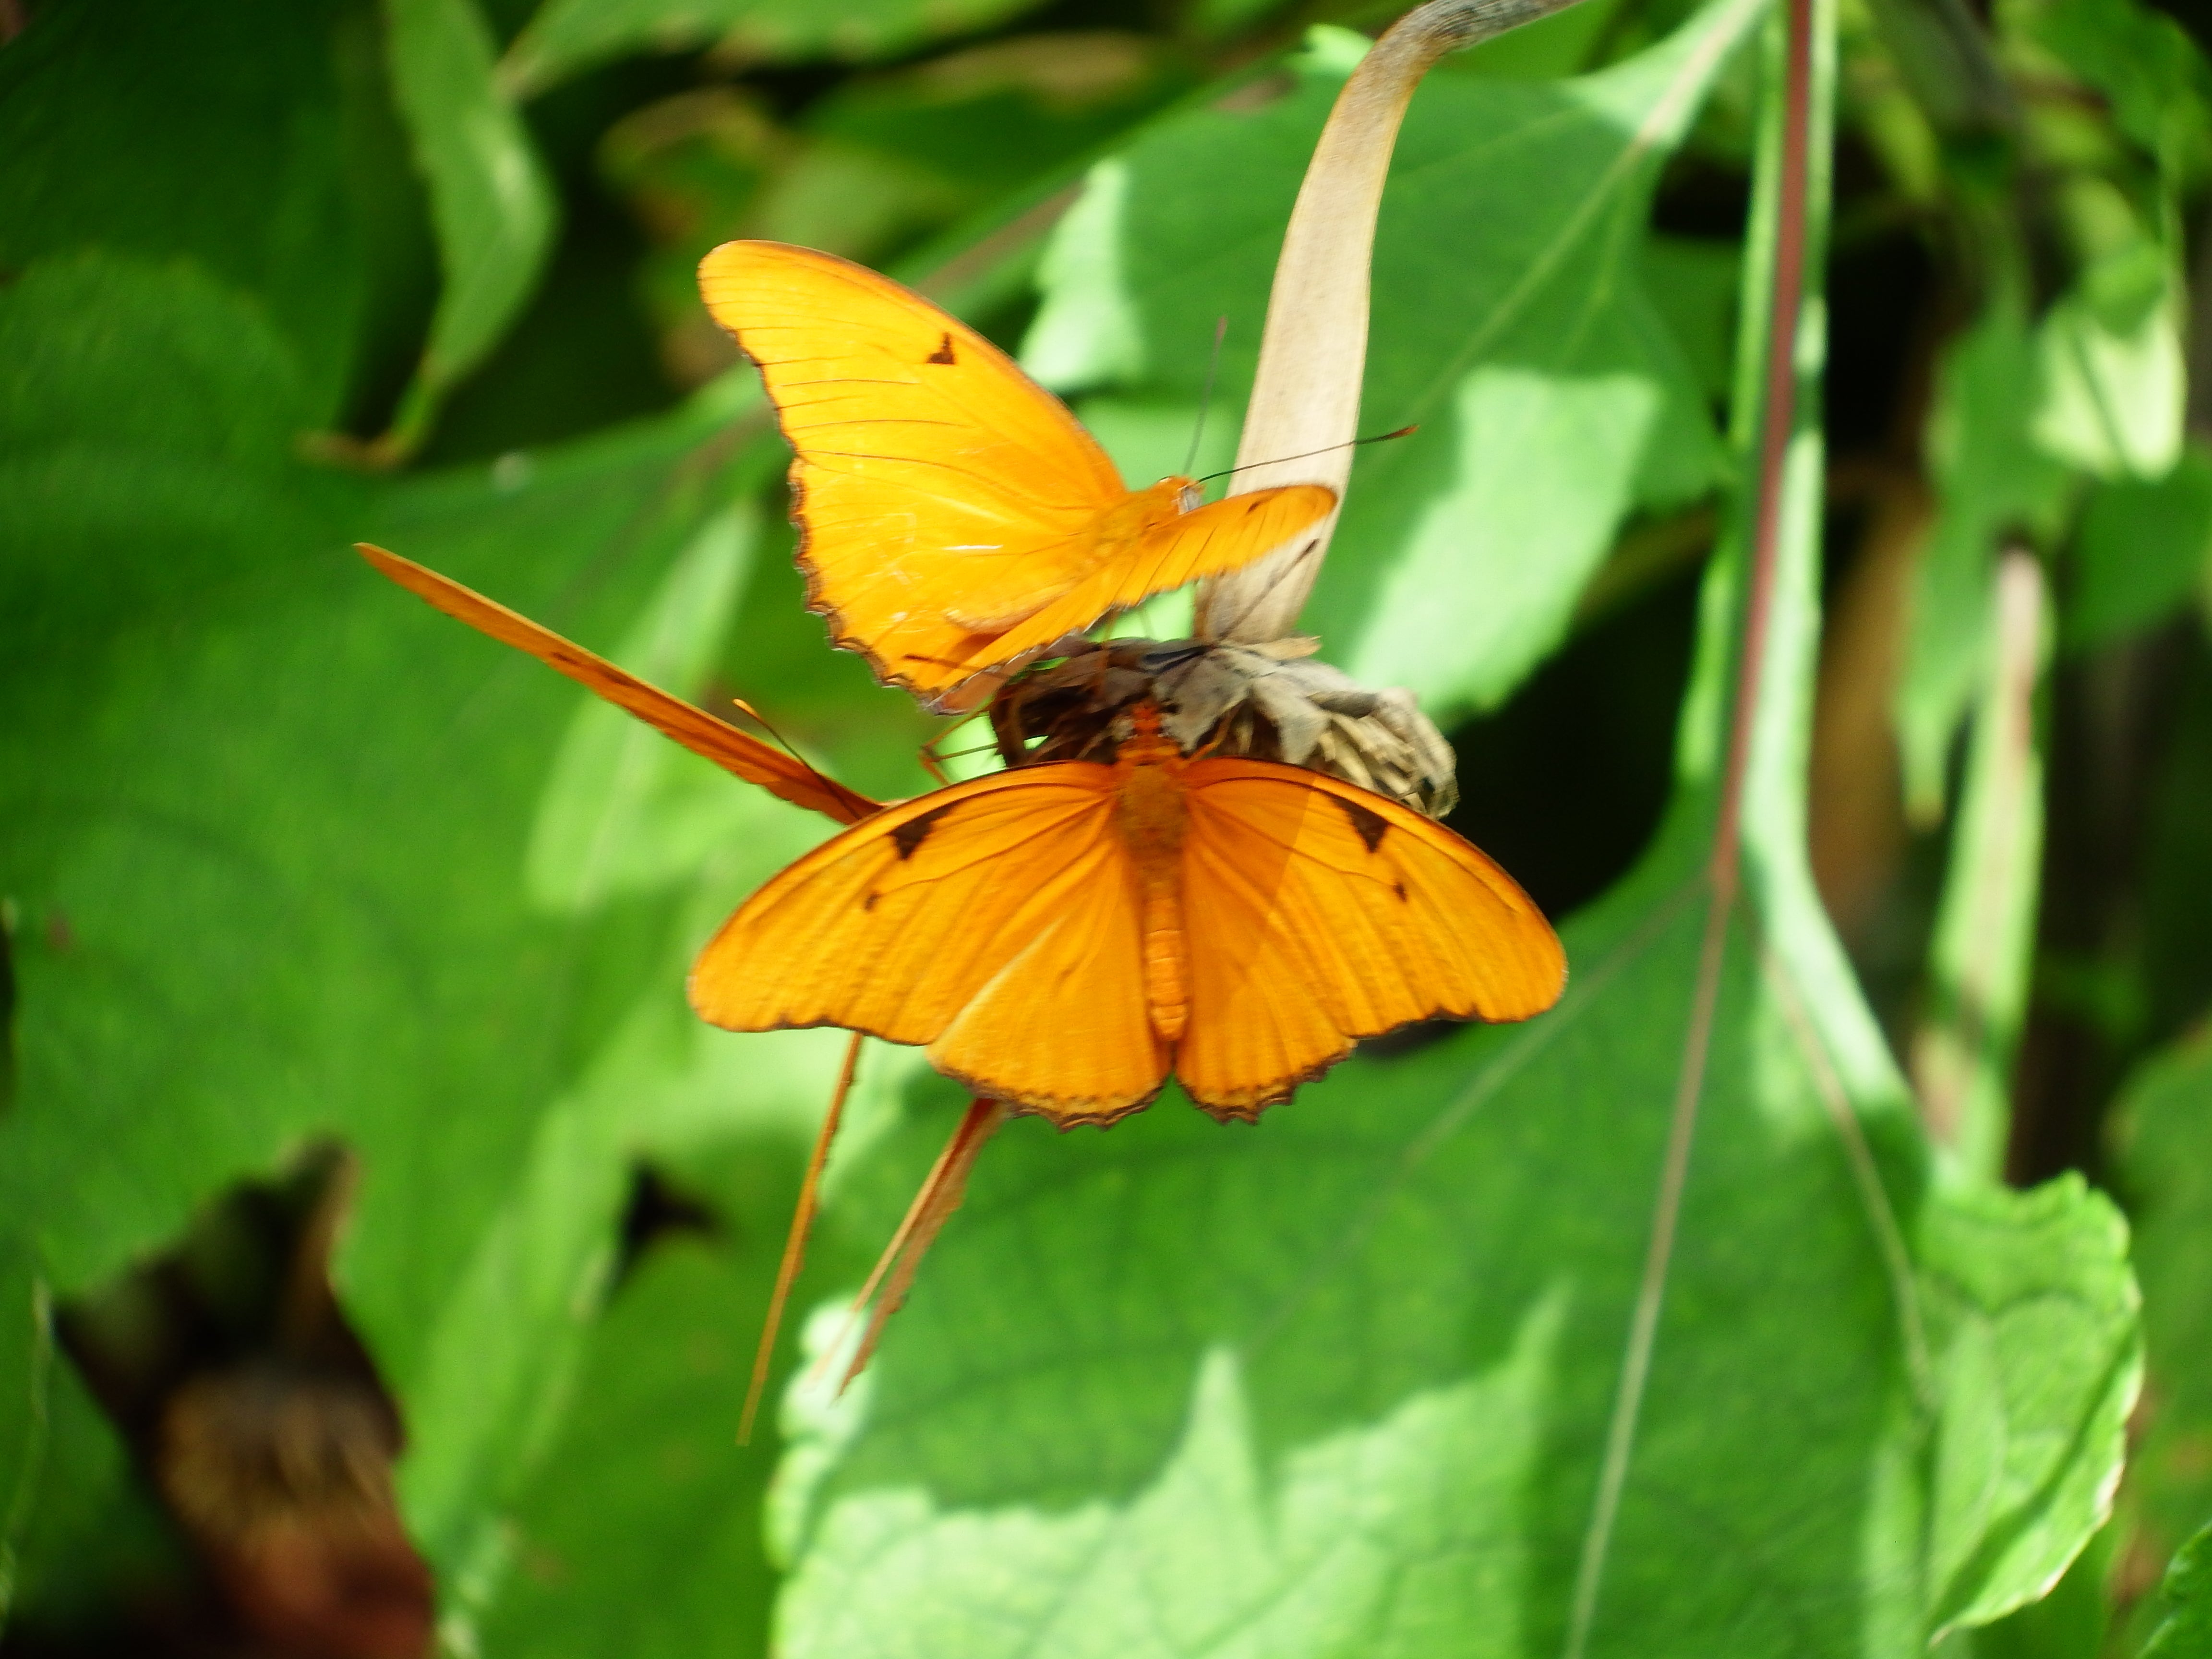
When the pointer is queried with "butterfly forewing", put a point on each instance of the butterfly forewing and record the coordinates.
(931, 470)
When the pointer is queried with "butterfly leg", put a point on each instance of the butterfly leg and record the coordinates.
(931, 764)
(794, 1244)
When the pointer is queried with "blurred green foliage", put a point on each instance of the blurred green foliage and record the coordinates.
(290, 860)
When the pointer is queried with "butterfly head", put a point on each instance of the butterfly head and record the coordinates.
(1147, 744)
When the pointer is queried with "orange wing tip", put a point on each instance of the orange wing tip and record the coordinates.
(384, 560)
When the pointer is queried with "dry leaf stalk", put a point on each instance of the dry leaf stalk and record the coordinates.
(1248, 683)
(1313, 352)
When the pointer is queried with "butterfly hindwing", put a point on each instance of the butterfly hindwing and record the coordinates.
(1063, 1029)
(1206, 541)
(1316, 913)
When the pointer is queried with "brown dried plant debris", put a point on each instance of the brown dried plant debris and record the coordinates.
(1272, 702)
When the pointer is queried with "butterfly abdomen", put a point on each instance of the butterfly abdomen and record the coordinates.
(1150, 815)
(1164, 996)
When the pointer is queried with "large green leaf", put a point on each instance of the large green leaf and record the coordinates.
(225, 138)
(640, 1529)
(1614, 1332)
(269, 863)
(26, 1366)
(1512, 323)
(641, 1534)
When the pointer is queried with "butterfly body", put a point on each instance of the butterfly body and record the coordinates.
(954, 520)
(1151, 809)
(1063, 936)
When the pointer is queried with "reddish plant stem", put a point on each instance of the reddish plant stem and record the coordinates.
(1778, 419)
(1724, 870)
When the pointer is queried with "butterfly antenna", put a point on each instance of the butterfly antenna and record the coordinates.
(933, 764)
(783, 743)
(794, 1243)
(1378, 437)
(1205, 398)
(932, 761)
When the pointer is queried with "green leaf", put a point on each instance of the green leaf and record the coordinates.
(2113, 374)
(1694, 284)
(269, 826)
(145, 432)
(1584, 1336)
(2144, 549)
(2145, 62)
(640, 1529)
(85, 1530)
(2072, 1622)
(1512, 323)
(489, 197)
(26, 1366)
(987, 120)
(568, 35)
(641, 1533)
(1993, 480)
(112, 349)
(2186, 1630)
(2033, 1309)
(625, 810)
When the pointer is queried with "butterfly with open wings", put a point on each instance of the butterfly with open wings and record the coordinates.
(1064, 936)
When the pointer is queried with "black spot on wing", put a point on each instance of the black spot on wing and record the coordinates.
(1399, 888)
(868, 899)
(1372, 825)
(909, 836)
(944, 352)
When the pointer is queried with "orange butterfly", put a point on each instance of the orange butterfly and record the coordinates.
(953, 518)
(1062, 936)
